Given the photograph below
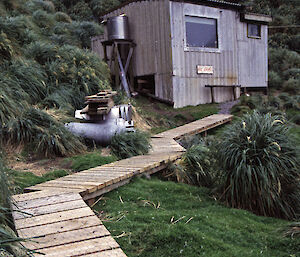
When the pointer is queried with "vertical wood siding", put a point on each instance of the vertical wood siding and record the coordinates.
(158, 29)
(189, 87)
(253, 57)
(149, 25)
(238, 60)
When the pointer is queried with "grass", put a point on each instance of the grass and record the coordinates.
(89, 160)
(156, 218)
(126, 145)
(162, 117)
(26, 179)
(295, 132)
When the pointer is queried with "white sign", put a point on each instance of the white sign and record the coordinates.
(205, 69)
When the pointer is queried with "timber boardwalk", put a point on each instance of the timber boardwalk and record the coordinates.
(59, 220)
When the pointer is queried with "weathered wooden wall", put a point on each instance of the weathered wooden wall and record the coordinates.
(253, 57)
(149, 25)
(238, 59)
(158, 29)
(188, 85)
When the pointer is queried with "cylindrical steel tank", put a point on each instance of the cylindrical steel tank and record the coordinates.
(118, 120)
(117, 27)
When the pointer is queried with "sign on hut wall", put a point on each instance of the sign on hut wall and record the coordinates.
(205, 69)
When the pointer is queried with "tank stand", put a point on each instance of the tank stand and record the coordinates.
(119, 61)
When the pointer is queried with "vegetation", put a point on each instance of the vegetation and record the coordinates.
(156, 218)
(125, 145)
(89, 160)
(43, 66)
(162, 117)
(197, 165)
(260, 167)
(23, 179)
(9, 242)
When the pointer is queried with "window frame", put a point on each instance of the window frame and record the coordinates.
(259, 30)
(199, 48)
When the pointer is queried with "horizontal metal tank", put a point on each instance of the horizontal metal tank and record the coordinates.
(118, 28)
(118, 120)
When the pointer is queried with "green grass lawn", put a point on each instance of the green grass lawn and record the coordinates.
(158, 219)
(89, 160)
(77, 163)
(23, 179)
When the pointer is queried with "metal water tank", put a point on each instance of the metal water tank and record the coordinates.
(117, 27)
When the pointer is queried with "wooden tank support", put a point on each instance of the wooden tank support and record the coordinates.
(119, 62)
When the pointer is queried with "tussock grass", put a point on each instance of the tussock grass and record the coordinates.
(125, 145)
(261, 167)
(196, 167)
(44, 134)
(9, 242)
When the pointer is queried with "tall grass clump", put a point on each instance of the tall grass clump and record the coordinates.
(260, 167)
(9, 242)
(38, 130)
(125, 145)
(198, 164)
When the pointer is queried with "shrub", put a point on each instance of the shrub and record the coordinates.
(292, 73)
(275, 80)
(260, 167)
(6, 49)
(292, 86)
(43, 19)
(42, 52)
(81, 11)
(125, 145)
(28, 76)
(62, 17)
(42, 133)
(85, 30)
(296, 119)
(35, 5)
(11, 102)
(16, 28)
(100, 6)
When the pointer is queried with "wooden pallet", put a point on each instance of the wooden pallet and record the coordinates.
(55, 212)
(100, 103)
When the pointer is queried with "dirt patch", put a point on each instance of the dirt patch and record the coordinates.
(39, 167)
(224, 108)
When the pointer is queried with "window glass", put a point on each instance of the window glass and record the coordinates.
(201, 32)
(253, 30)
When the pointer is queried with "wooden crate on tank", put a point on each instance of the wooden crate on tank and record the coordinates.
(99, 104)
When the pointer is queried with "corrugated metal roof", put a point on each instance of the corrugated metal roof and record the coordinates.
(213, 3)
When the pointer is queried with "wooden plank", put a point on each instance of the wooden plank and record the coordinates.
(34, 195)
(53, 217)
(81, 248)
(109, 253)
(63, 183)
(59, 227)
(99, 178)
(40, 187)
(107, 172)
(49, 209)
(67, 237)
(46, 201)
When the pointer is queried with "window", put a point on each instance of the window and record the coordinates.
(254, 31)
(201, 32)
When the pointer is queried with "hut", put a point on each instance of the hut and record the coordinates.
(190, 52)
